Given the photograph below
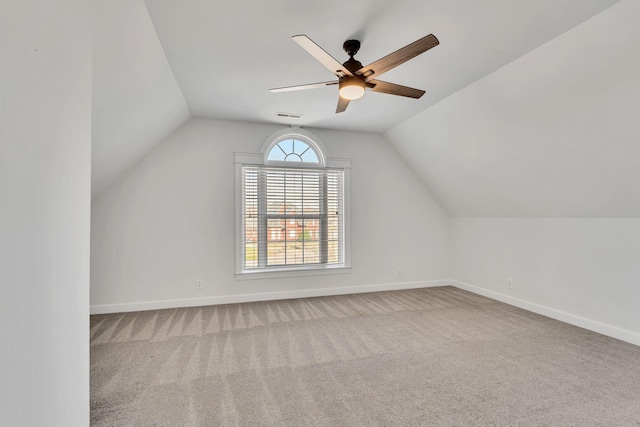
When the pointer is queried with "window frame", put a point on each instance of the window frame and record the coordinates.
(325, 162)
(312, 145)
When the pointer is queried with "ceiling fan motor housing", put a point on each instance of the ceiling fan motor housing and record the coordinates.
(352, 47)
(352, 65)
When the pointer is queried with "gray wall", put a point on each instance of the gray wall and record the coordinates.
(45, 158)
(170, 220)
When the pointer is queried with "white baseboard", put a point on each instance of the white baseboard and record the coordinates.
(582, 322)
(262, 296)
(592, 325)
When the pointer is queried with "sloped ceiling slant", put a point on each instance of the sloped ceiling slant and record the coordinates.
(136, 100)
(553, 134)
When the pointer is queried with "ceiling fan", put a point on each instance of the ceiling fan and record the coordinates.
(353, 78)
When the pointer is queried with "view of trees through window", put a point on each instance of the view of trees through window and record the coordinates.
(291, 217)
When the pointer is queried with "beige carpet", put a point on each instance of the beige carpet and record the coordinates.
(436, 356)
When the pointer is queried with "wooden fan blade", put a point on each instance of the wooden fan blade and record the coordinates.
(394, 89)
(400, 56)
(321, 55)
(303, 87)
(342, 105)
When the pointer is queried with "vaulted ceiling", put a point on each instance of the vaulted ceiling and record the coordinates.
(555, 133)
(159, 62)
(136, 99)
(225, 55)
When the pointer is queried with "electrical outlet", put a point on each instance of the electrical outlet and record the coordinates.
(199, 284)
(509, 284)
(399, 272)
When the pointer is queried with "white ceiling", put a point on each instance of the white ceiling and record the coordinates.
(226, 55)
(553, 134)
(136, 99)
(159, 62)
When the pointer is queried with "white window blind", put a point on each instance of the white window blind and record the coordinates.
(292, 217)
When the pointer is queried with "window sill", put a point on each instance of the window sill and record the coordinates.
(281, 273)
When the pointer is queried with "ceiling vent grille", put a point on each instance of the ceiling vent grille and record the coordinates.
(289, 115)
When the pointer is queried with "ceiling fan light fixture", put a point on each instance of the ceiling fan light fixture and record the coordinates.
(353, 78)
(351, 88)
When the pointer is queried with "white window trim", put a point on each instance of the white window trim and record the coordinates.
(259, 159)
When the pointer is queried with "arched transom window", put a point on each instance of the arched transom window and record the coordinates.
(293, 150)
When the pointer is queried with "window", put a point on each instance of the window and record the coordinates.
(292, 150)
(292, 208)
